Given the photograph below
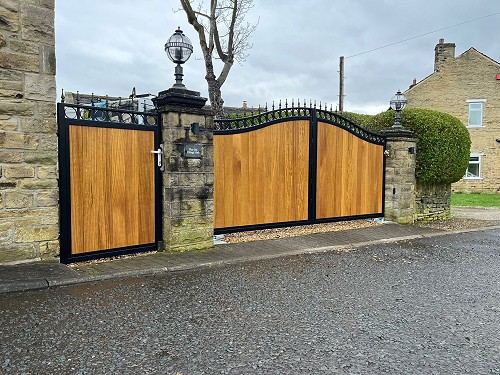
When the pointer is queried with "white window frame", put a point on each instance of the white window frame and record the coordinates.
(476, 101)
(479, 163)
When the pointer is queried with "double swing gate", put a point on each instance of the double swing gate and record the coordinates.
(294, 166)
(110, 181)
(288, 166)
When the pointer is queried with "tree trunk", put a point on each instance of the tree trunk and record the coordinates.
(214, 91)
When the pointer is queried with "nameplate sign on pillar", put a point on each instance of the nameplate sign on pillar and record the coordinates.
(192, 151)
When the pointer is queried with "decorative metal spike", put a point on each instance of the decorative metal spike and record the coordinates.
(77, 97)
(298, 102)
(120, 101)
(310, 103)
(107, 102)
(320, 105)
(292, 103)
(273, 105)
(336, 108)
(331, 107)
(144, 105)
(266, 106)
(315, 104)
(280, 104)
(92, 100)
(286, 103)
(62, 96)
(304, 103)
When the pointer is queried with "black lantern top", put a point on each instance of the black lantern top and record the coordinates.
(178, 47)
(398, 101)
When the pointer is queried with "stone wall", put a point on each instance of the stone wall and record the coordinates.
(29, 226)
(188, 203)
(399, 202)
(432, 202)
(471, 75)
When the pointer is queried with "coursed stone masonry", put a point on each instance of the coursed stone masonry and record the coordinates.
(432, 202)
(29, 227)
(188, 203)
(400, 179)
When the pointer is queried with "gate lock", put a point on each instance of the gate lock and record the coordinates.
(159, 154)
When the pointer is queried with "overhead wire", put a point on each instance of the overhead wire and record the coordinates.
(419, 36)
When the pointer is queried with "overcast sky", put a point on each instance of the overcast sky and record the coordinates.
(110, 46)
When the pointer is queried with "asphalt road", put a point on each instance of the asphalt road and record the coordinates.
(427, 306)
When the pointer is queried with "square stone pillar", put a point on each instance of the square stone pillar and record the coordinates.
(400, 180)
(188, 178)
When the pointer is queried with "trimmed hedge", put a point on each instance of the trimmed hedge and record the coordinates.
(443, 143)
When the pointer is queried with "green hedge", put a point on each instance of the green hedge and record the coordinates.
(443, 143)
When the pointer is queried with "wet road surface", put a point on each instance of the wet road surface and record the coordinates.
(427, 306)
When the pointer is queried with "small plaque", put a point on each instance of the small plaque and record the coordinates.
(192, 150)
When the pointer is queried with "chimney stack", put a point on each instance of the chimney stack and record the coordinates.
(414, 83)
(443, 51)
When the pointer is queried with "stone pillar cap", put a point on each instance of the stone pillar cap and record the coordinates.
(398, 133)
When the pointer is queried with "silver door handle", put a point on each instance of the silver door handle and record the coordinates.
(158, 152)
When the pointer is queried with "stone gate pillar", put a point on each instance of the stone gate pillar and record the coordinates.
(188, 177)
(400, 178)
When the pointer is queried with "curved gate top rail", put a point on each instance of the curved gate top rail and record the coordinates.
(239, 123)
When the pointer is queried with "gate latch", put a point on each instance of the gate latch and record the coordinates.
(159, 154)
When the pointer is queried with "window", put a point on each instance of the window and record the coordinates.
(475, 113)
(474, 168)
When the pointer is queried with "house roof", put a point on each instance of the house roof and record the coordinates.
(471, 49)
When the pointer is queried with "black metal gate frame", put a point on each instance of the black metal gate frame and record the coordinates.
(233, 124)
(102, 117)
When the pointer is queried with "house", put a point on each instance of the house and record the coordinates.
(467, 87)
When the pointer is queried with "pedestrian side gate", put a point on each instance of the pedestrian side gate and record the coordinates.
(293, 166)
(110, 182)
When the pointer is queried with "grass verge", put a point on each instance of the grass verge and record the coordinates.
(475, 199)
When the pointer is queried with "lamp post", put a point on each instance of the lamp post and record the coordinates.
(179, 48)
(398, 103)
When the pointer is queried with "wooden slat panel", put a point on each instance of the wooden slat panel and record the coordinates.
(349, 174)
(261, 176)
(112, 188)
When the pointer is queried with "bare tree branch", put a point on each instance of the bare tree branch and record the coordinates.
(221, 26)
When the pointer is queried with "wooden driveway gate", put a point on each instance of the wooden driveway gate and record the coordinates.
(110, 181)
(294, 166)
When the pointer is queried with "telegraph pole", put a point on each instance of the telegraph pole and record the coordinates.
(341, 85)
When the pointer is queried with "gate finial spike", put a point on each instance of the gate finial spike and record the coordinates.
(280, 104)
(107, 102)
(62, 96)
(120, 101)
(320, 104)
(266, 106)
(92, 100)
(286, 103)
(273, 105)
(315, 104)
(310, 103)
(292, 103)
(305, 103)
(77, 97)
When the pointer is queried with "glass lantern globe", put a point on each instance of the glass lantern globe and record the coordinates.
(178, 47)
(398, 101)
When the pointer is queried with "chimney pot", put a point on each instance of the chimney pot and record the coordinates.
(441, 41)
